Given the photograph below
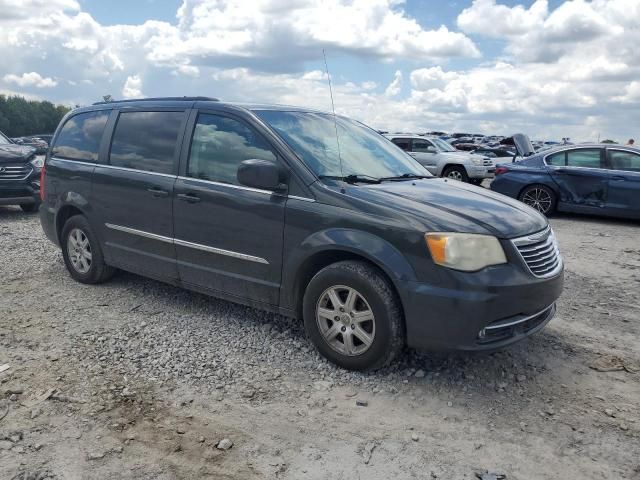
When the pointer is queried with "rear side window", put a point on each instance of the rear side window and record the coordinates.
(403, 143)
(80, 137)
(423, 146)
(146, 141)
(219, 145)
(627, 161)
(586, 158)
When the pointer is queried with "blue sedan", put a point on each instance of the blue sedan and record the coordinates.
(595, 179)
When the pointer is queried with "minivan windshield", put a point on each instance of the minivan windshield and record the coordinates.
(364, 152)
(442, 145)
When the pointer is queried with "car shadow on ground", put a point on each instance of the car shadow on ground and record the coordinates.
(488, 371)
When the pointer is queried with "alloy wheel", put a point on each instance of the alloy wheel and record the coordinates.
(455, 175)
(345, 320)
(539, 199)
(79, 250)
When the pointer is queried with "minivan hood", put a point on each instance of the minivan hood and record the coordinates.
(452, 206)
(15, 153)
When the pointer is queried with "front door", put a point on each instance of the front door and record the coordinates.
(133, 193)
(624, 182)
(425, 152)
(228, 237)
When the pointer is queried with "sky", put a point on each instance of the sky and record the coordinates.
(548, 68)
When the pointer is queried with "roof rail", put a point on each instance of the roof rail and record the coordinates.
(156, 99)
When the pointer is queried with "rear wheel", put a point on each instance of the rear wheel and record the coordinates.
(353, 316)
(82, 253)
(540, 197)
(456, 172)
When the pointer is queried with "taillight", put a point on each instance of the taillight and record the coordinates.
(42, 174)
(501, 170)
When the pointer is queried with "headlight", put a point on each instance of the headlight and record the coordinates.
(38, 162)
(465, 251)
(477, 160)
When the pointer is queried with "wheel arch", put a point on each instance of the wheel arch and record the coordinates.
(65, 213)
(381, 255)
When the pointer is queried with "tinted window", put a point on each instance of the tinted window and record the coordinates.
(146, 140)
(80, 136)
(423, 146)
(557, 159)
(589, 158)
(220, 144)
(403, 143)
(624, 160)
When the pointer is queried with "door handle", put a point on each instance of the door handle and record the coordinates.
(560, 170)
(618, 178)
(157, 192)
(188, 197)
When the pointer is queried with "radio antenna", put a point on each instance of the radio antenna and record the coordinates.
(333, 108)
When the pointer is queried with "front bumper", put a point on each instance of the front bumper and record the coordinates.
(20, 192)
(484, 311)
(485, 171)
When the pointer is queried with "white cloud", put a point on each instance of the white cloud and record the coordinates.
(132, 87)
(395, 86)
(495, 20)
(31, 79)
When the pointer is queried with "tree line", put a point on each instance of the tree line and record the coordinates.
(20, 117)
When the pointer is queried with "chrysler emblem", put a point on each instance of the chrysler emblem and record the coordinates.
(2, 169)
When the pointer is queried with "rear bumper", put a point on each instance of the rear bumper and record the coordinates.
(479, 314)
(47, 220)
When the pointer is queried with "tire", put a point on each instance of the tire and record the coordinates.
(456, 172)
(381, 325)
(476, 181)
(30, 207)
(85, 269)
(540, 197)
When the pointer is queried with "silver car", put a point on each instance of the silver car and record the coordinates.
(443, 160)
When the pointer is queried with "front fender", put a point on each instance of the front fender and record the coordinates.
(341, 242)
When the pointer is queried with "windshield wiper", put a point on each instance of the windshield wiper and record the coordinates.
(352, 178)
(405, 176)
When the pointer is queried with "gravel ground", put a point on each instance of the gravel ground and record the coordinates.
(135, 379)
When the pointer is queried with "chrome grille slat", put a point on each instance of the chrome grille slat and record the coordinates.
(540, 253)
(15, 172)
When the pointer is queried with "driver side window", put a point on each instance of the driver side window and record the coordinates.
(220, 144)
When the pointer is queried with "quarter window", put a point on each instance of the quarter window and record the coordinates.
(220, 145)
(146, 141)
(585, 158)
(557, 159)
(627, 161)
(80, 136)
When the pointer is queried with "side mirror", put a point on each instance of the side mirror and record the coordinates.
(262, 174)
(431, 150)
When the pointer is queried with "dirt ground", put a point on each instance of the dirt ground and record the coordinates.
(135, 379)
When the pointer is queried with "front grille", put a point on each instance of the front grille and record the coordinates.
(540, 253)
(15, 172)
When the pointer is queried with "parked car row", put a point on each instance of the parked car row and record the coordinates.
(303, 213)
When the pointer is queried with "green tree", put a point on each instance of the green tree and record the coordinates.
(20, 117)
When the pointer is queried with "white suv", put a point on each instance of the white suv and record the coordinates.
(443, 160)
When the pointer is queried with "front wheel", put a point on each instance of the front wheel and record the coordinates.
(353, 316)
(29, 207)
(456, 172)
(82, 253)
(540, 197)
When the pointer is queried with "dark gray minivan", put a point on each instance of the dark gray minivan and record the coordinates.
(266, 206)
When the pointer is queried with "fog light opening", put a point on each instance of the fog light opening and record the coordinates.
(483, 333)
